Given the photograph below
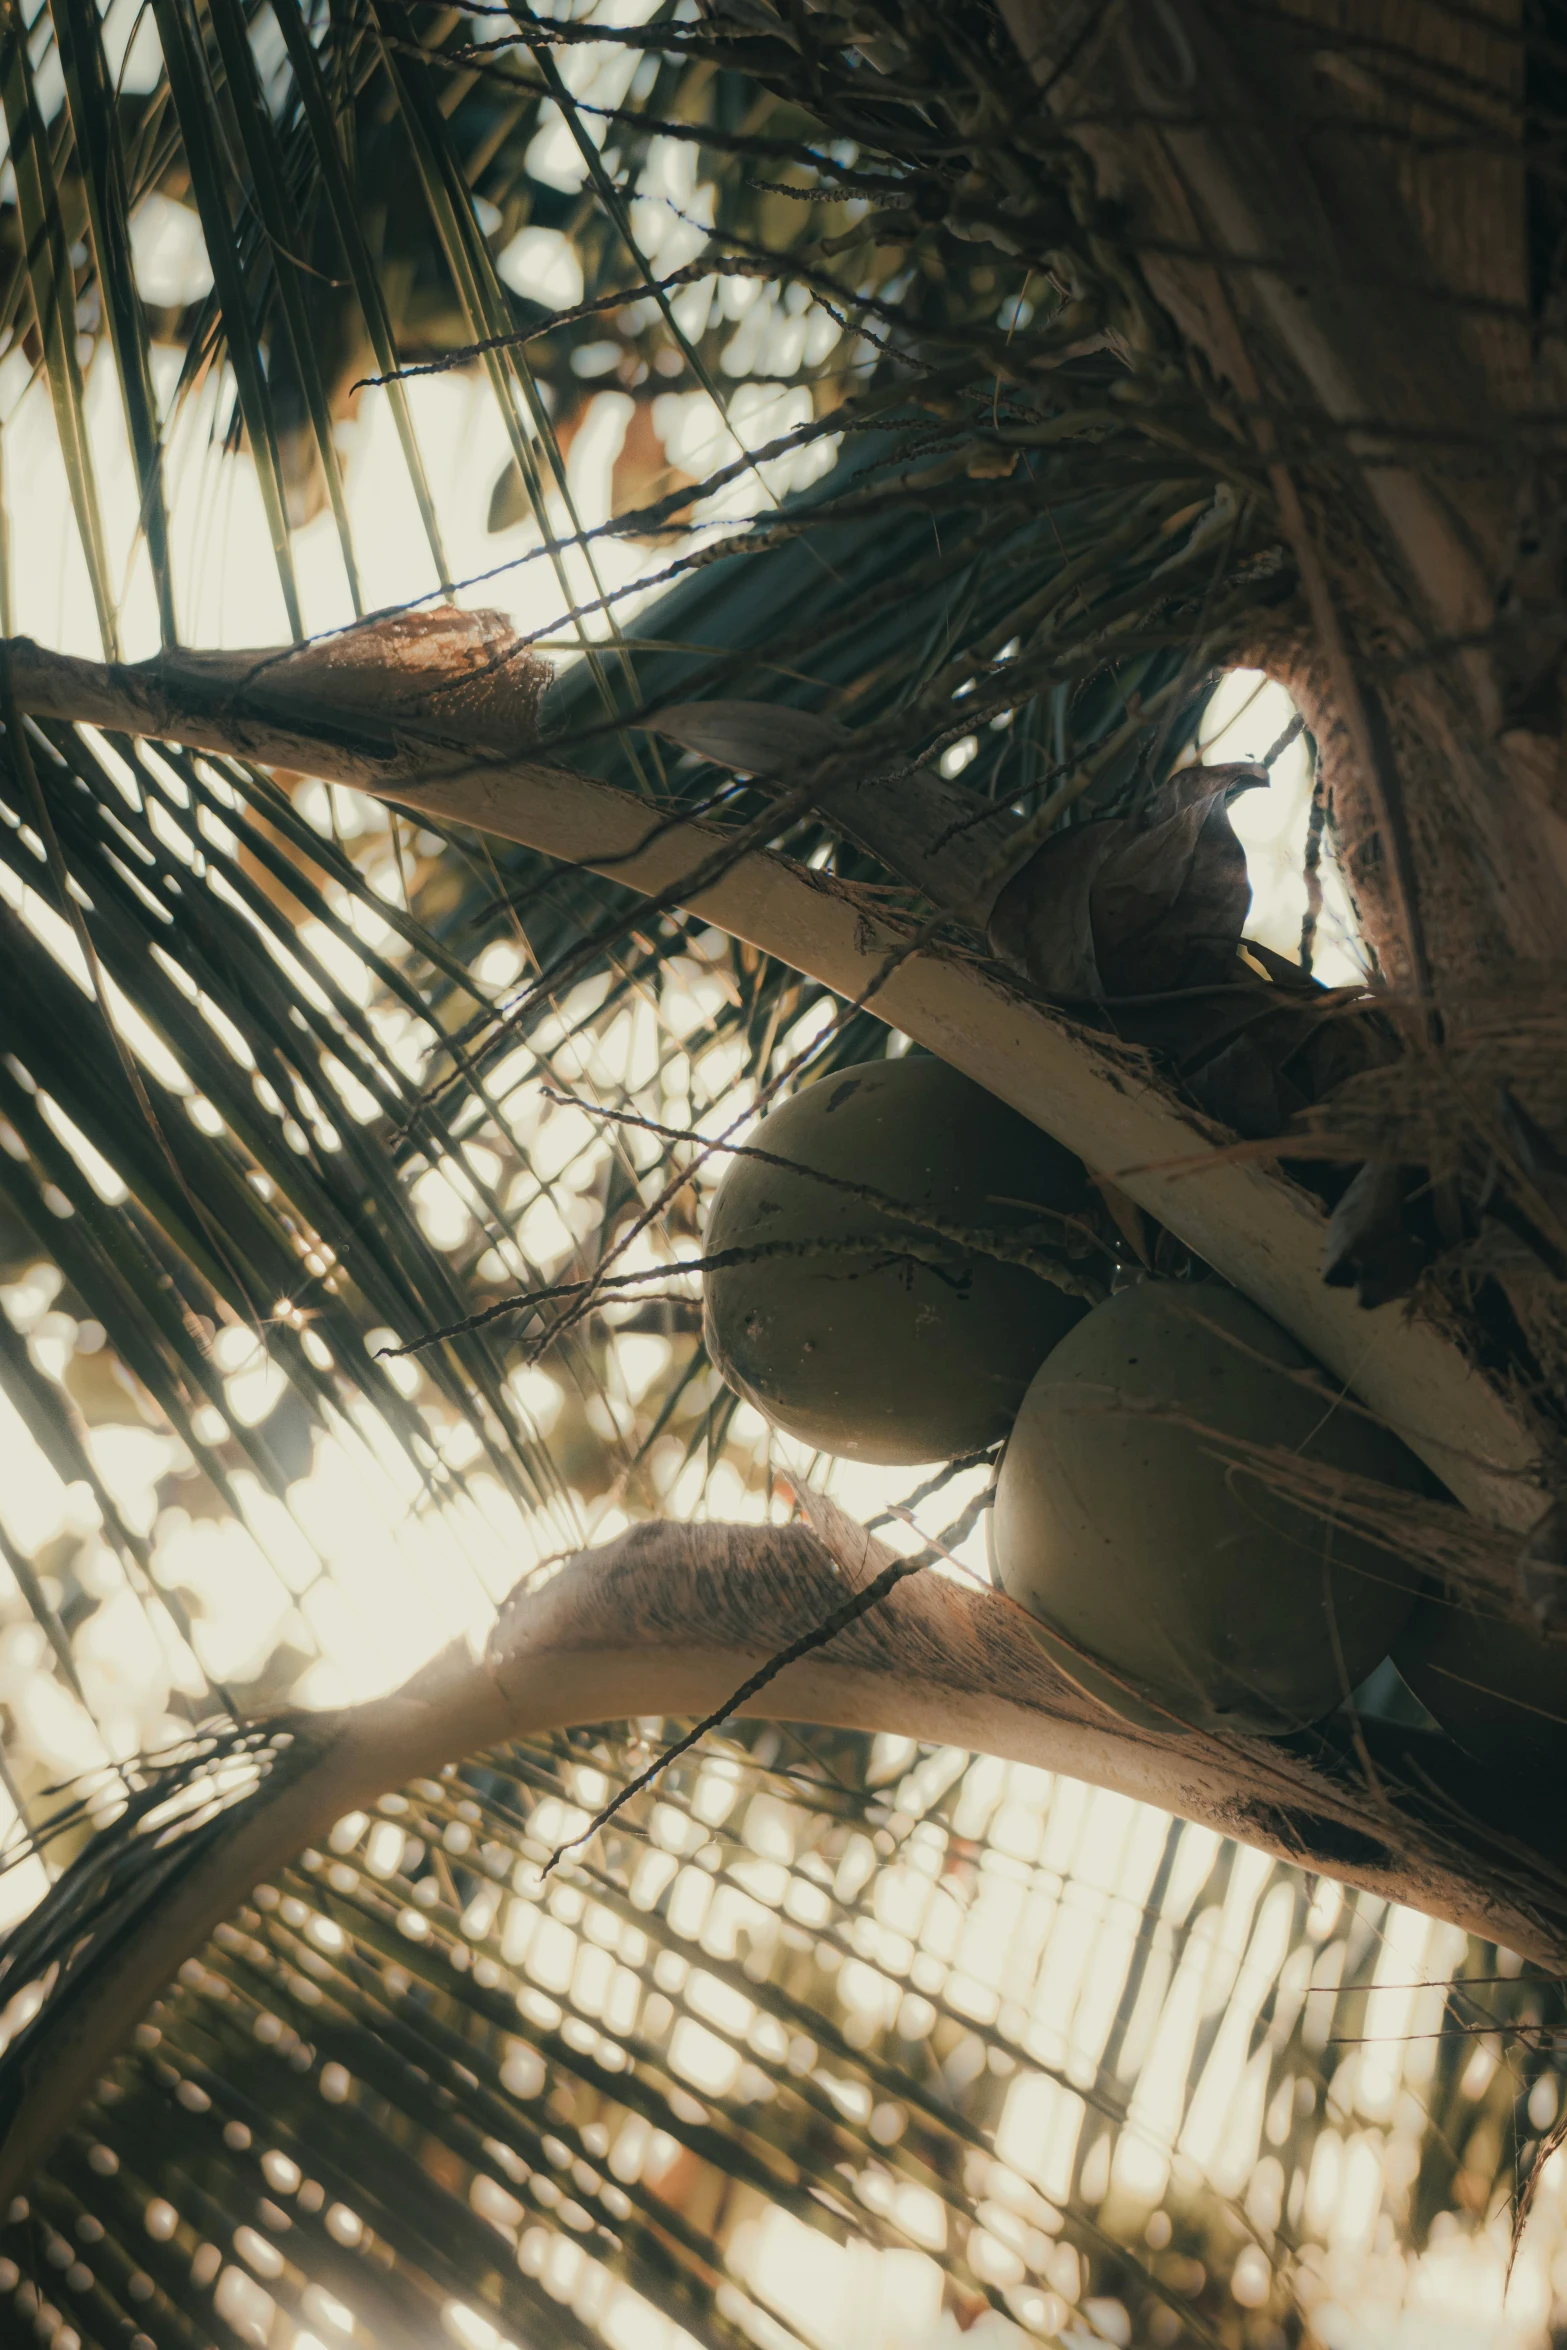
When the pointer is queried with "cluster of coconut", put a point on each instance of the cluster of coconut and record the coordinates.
(906, 1284)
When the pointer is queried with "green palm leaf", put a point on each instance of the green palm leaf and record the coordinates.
(102, 163)
(52, 287)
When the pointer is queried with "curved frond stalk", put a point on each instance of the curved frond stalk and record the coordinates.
(1258, 1229)
(668, 1619)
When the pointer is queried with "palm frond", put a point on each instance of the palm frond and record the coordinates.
(101, 160)
(326, 155)
(51, 285)
(808, 2005)
(813, 2007)
(285, 234)
(194, 103)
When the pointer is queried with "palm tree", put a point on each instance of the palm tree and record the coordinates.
(1181, 356)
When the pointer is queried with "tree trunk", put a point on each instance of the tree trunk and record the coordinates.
(1330, 207)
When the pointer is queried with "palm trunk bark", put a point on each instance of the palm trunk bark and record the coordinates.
(1334, 226)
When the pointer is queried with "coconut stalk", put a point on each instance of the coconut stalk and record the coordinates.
(415, 717)
(670, 1619)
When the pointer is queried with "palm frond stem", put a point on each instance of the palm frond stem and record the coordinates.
(669, 1619)
(1254, 1226)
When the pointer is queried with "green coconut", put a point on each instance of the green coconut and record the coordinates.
(869, 1354)
(1174, 1585)
(1497, 1689)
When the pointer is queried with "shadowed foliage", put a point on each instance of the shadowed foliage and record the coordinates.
(956, 414)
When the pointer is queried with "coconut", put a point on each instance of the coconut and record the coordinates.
(1174, 1584)
(870, 1353)
(1498, 1689)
